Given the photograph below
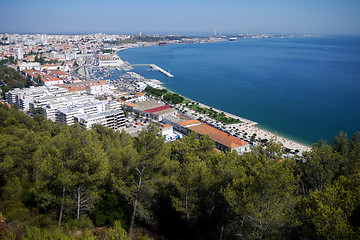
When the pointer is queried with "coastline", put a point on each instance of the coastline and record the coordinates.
(250, 127)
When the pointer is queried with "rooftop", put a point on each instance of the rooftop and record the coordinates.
(189, 122)
(218, 136)
(157, 109)
(165, 111)
(148, 105)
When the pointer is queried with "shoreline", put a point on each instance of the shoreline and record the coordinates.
(250, 127)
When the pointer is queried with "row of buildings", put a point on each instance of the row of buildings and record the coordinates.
(60, 105)
(172, 120)
(69, 97)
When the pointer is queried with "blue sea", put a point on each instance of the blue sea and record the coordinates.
(306, 89)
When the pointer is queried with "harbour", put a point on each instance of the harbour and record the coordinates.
(268, 80)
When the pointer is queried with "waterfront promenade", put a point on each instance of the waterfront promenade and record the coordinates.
(245, 129)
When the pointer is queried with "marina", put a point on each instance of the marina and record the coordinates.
(267, 83)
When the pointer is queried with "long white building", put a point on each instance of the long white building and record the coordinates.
(114, 119)
(24, 97)
(67, 115)
(60, 105)
(110, 60)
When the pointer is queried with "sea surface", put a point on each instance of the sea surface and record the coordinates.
(305, 89)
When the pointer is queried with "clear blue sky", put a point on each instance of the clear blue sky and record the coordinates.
(167, 16)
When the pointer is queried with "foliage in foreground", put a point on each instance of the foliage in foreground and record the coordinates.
(61, 182)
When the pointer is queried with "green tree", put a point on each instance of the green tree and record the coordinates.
(141, 172)
(319, 167)
(340, 143)
(72, 167)
(257, 186)
(117, 232)
(196, 194)
(325, 214)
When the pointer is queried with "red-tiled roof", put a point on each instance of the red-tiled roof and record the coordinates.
(58, 72)
(218, 136)
(157, 109)
(53, 78)
(73, 88)
(130, 104)
(189, 122)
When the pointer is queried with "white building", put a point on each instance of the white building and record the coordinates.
(168, 131)
(67, 115)
(65, 67)
(24, 97)
(51, 81)
(99, 88)
(58, 104)
(110, 60)
(32, 65)
(114, 119)
(18, 53)
(141, 85)
(50, 110)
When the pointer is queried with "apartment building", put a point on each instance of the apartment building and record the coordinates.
(114, 119)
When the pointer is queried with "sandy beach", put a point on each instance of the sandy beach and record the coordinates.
(247, 126)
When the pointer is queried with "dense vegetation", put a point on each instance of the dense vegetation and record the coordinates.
(212, 113)
(10, 78)
(57, 180)
(155, 92)
(165, 94)
(173, 98)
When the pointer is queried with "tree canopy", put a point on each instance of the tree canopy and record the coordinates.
(66, 182)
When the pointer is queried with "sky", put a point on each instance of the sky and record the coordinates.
(181, 17)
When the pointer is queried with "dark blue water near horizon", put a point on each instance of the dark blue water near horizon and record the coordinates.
(305, 89)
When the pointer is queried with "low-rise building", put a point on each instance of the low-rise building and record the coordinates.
(223, 140)
(30, 66)
(99, 88)
(185, 125)
(48, 80)
(110, 60)
(161, 112)
(152, 109)
(168, 131)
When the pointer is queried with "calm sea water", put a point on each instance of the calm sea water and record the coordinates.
(306, 89)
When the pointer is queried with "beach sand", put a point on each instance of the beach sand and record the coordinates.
(249, 127)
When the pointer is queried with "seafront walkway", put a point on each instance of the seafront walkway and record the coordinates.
(245, 129)
(263, 134)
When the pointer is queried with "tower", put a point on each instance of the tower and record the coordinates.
(18, 53)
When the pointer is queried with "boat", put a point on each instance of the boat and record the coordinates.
(162, 43)
(232, 39)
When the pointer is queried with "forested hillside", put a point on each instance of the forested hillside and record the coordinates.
(61, 182)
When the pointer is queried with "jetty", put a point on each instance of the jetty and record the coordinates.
(156, 68)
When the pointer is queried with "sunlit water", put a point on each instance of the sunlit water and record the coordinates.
(306, 89)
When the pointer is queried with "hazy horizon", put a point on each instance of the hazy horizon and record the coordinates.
(195, 17)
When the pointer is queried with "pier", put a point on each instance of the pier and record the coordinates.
(156, 68)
